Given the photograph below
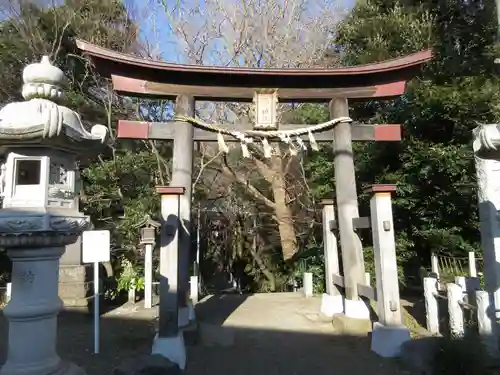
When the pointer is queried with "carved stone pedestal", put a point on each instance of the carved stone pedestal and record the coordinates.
(35, 243)
(32, 313)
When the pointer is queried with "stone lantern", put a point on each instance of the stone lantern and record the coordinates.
(148, 235)
(42, 142)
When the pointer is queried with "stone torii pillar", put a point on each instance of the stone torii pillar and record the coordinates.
(42, 142)
(347, 206)
(182, 172)
(487, 157)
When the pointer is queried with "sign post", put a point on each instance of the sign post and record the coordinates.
(96, 249)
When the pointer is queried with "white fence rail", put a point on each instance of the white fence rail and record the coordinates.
(457, 266)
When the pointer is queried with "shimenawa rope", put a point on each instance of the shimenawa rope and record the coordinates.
(247, 136)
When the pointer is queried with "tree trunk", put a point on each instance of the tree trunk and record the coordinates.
(284, 215)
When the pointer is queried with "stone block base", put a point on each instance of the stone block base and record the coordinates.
(172, 348)
(388, 341)
(356, 309)
(74, 287)
(331, 305)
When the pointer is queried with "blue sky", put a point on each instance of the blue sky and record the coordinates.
(155, 25)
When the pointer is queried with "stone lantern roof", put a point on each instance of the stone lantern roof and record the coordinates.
(40, 120)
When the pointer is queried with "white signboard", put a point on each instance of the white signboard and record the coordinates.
(95, 246)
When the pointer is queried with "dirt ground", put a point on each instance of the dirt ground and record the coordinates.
(275, 334)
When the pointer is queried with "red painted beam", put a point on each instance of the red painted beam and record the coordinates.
(165, 131)
(133, 129)
(387, 132)
(170, 190)
(380, 188)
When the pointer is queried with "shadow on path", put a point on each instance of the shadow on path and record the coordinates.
(255, 348)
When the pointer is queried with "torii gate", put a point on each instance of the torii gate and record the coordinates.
(134, 76)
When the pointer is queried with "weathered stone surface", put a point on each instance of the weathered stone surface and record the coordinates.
(351, 326)
(154, 364)
(74, 289)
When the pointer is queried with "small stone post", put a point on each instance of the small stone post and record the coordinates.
(388, 334)
(148, 275)
(43, 142)
(169, 341)
(435, 264)
(455, 311)
(193, 287)
(308, 284)
(472, 264)
(431, 304)
(331, 302)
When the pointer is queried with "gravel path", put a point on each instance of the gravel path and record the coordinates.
(277, 334)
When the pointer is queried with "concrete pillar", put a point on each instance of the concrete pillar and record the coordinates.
(384, 249)
(169, 341)
(32, 313)
(332, 300)
(388, 334)
(148, 275)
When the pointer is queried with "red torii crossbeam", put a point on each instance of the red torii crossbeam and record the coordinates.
(166, 131)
